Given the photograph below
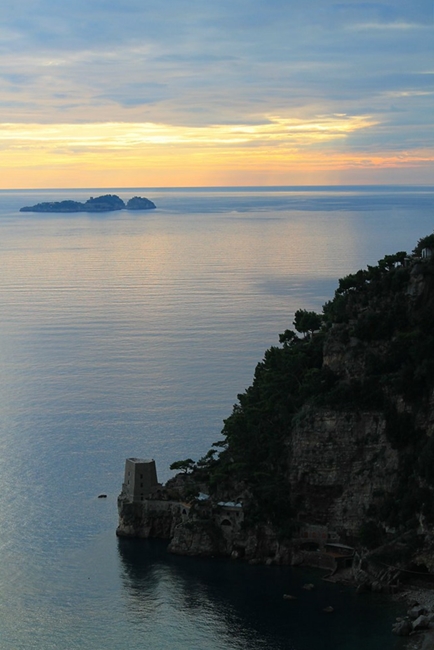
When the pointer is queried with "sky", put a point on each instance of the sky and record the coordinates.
(183, 93)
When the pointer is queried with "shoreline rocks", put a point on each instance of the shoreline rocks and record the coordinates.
(418, 625)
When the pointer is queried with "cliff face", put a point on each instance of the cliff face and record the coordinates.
(150, 518)
(333, 440)
(338, 465)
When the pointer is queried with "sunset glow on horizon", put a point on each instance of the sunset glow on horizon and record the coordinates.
(232, 94)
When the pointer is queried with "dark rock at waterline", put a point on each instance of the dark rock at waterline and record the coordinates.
(402, 628)
(416, 611)
(421, 623)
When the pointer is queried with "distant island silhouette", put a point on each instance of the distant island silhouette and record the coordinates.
(106, 203)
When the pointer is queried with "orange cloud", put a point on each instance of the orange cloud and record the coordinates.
(136, 154)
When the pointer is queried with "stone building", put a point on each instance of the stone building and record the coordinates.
(140, 479)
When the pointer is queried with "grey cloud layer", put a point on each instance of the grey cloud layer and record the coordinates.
(195, 62)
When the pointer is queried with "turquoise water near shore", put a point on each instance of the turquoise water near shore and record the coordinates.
(127, 335)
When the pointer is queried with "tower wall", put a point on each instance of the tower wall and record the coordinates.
(140, 478)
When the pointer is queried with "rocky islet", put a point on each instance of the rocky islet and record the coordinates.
(105, 203)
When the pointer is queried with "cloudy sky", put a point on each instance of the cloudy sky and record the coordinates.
(129, 93)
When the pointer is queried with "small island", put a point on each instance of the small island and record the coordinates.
(106, 203)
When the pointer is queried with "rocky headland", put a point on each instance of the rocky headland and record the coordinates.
(106, 203)
(328, 457)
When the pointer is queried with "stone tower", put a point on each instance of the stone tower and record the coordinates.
(140, 479)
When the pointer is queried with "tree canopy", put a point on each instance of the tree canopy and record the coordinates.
(307, 321)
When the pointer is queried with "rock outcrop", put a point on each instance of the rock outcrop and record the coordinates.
(140, 203)
(338, 462)
(151, 518)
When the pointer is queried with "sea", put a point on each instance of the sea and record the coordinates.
(131, 334)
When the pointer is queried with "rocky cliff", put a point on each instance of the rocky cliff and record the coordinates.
(332, 443)
(338, 465)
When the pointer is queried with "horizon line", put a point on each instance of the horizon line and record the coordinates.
(222, 187)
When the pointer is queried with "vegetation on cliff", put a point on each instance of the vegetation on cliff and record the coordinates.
(370, 351)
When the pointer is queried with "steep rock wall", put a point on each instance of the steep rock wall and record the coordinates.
(149, 518)
(337, 464)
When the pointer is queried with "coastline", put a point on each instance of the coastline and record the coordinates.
(412, 596)
(203, 527)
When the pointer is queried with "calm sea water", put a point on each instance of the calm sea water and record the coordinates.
(131, 334)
